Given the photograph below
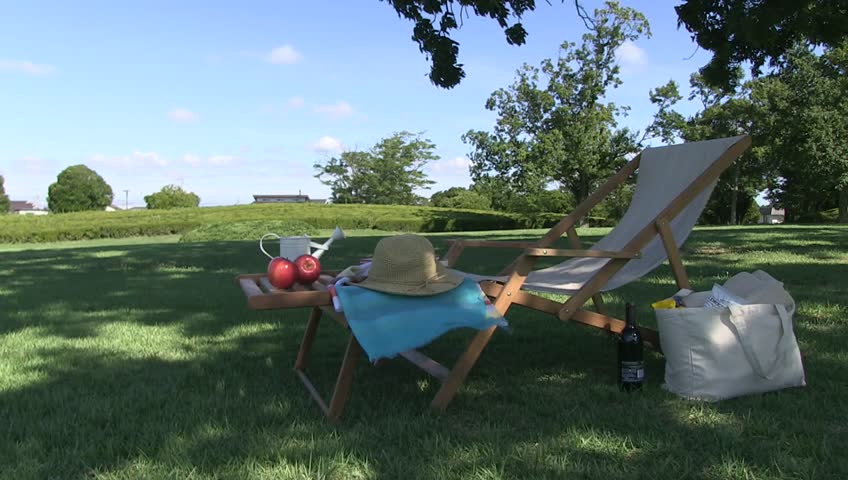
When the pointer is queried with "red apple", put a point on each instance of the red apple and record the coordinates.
(282, 272)
(308, 269)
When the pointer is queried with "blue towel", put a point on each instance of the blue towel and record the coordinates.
(386, 324)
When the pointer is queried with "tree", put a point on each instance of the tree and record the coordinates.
(5, 204)
(723, 115)
(739, 31)
(805, 117)
(389, 173)
(735, 31)
(171, 196)
(561, 133)
(78, 188)
(458, 197)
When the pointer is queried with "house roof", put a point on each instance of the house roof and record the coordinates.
(281, 196)
(768, 210)
(18, 205)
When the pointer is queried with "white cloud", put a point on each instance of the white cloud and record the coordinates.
(191, 159)
(26, 67)
(338, 110)
(631, 55)
(222, 160)
(182, 115)
(327, 144)
(285, 54)
(148, 158)
(295, 102)
(456, 165)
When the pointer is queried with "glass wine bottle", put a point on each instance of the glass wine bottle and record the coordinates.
(631, 364)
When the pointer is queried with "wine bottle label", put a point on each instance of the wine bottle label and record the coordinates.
(632, 372)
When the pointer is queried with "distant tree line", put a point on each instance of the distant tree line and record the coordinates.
(78, 188)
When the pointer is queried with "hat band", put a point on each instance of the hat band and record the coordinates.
(435, 278)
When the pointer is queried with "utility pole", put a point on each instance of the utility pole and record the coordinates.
(126, 199)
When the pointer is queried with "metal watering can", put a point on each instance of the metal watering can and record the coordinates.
(293, 247)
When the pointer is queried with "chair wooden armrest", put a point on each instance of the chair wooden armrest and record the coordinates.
(458, 245)
(558, 252)
(493, 243)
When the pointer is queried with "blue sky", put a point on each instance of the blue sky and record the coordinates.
(232, 99)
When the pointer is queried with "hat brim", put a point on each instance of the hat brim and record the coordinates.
(445, 280)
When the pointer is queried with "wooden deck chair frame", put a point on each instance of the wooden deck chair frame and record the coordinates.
(510, 292)
(262, 296)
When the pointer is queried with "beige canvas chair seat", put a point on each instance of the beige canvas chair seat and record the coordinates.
(663, 174)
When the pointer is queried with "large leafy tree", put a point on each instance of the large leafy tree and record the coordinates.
(171, 196)
(805, 117)
(759, 32)
(389, 173)
(78, 188)
(723, 115)
(736, 31)
(5, 204)
(553, 127)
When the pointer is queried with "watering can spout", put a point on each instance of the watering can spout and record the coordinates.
(338, 234)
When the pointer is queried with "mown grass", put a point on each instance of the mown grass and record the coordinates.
(138, 359)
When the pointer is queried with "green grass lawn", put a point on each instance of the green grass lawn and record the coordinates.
(138, 359)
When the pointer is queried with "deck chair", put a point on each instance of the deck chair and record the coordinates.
(673, 186)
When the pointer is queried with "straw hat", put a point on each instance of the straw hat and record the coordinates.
(406, 265)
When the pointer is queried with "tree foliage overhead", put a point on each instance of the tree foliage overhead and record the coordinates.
(759, 32)
(736, 31)
(435, 19)
(78, 188)
(171, 196)
(388, 173)
(5, 204)
(553, 126)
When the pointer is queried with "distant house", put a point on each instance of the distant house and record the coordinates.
(771, 216)
(21, 207)
(113, 208)
(281, 199)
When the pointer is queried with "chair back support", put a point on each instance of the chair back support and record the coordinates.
(663, 174)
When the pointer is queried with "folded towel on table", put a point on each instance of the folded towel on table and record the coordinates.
(386, 325)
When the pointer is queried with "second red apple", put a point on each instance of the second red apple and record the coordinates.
(308, 269)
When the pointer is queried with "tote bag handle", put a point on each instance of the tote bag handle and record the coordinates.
(738, 317)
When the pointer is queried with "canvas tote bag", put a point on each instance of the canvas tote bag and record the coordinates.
(714, 354)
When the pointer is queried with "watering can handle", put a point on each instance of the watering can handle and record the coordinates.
(263, 248)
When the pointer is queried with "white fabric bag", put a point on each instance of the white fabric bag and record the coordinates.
(715, 354)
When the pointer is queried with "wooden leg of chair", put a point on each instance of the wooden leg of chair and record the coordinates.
(461, 369)
(308, 339)
(345, 380)
(598, 299)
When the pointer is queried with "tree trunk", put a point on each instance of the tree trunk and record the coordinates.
(734, 194)
(843, 205)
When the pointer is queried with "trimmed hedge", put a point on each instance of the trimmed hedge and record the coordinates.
(89, 225)
(254, 230)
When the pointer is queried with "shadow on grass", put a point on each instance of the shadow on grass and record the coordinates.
(83, 393)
